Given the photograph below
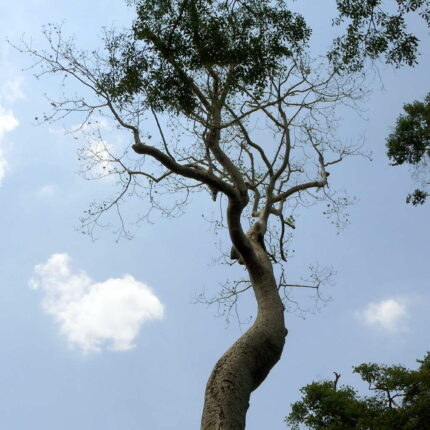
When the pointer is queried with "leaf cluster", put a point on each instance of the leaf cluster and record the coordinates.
(173, 42)
(409, 143)
(373, 32)
(323, 407)
(401, 401)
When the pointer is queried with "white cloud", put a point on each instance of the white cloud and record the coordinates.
(91, 314)
(7, 123)
(388, 314)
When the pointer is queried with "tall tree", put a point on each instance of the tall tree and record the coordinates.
(400, 401)
(212, 70)
(409, 143)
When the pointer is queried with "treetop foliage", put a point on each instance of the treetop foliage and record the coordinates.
(409, 143)
(401, 401)
(173, 42)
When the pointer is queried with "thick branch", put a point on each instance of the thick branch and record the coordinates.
(298, 188)
(200, 174)
(212, 142)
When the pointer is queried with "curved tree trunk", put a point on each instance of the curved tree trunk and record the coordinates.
(249, 360)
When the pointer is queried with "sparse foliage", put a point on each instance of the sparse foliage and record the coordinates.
(377, 29)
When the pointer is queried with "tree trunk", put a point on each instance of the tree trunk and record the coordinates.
(249, 360)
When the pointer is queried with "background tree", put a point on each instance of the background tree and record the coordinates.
(209, 74)
(400, 401)
(410, 144)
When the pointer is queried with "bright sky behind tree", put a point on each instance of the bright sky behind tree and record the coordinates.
(67, 363)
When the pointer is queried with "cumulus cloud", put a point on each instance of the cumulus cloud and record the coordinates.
(93, 315)
(388, 314)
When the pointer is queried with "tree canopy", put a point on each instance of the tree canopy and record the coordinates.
(409, 143)
(400, 400)
(172, 43)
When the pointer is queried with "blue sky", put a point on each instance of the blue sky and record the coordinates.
(66, 363)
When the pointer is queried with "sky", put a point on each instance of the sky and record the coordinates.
(106, 334)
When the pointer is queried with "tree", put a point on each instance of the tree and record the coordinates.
(410, 144)
(209, 71)
(400, 401)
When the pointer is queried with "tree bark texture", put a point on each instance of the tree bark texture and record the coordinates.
(249, 360)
